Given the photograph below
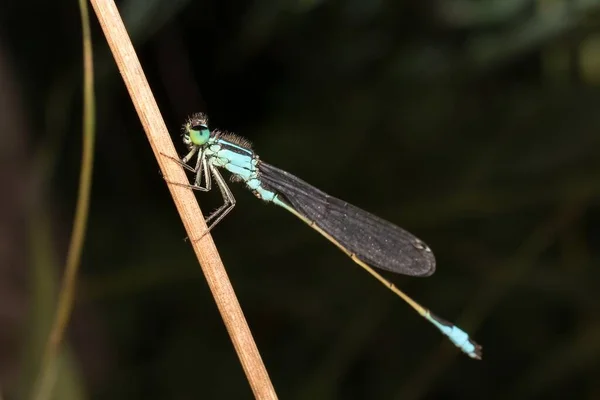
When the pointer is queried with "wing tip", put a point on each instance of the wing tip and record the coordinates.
(426, 261)
(427, 268)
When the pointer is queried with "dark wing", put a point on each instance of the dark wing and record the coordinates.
(373, 240)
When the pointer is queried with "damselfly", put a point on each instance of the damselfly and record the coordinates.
(368, 240)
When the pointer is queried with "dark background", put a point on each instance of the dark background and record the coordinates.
(473, 124)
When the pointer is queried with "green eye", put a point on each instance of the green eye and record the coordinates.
(199, 134)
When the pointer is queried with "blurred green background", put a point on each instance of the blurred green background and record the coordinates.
(473, 124)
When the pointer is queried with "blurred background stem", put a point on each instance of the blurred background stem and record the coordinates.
(44, 385)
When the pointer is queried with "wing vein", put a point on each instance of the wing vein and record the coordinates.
(373, 240)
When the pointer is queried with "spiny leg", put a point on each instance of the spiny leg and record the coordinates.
(185, 160)
(201, 166)
(228, 199)
(228, 202)
(189, 155)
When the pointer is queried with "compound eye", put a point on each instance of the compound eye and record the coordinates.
(199, 134)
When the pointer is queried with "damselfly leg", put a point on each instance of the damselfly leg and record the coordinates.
(202, 168)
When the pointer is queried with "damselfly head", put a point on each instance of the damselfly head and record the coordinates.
(195, 130)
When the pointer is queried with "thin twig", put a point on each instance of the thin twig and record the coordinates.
(184, 198)
(48, 368)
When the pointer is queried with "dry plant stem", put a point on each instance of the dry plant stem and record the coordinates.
(184, 198)
(48, 369)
